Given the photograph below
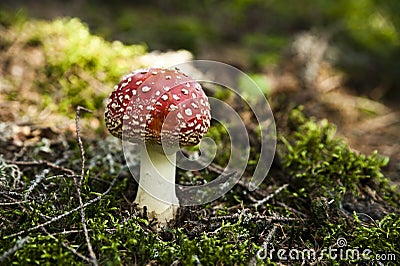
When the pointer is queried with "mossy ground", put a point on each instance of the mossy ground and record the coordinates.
(319, 190)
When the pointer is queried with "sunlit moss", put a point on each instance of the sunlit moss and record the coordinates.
(80, 68)
(323, 164)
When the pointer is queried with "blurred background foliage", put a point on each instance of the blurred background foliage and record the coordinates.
(251, 34)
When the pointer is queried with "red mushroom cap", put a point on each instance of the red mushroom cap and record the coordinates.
(154, 104)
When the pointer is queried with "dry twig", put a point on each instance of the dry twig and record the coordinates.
(264, 200)
(43, 162)
(20, 243)
(78, 184)
(13, 203)
(67, 247)
(90, 202)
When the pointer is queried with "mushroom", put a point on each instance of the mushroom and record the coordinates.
(159, 109)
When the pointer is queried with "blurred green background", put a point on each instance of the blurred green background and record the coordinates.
(250, 34)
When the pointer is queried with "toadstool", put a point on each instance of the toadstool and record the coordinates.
(158, 108)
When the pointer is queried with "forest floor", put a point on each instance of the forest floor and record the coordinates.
(318, 190)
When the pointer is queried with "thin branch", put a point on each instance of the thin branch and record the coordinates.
(264, 200)
(78, 184)
(15, 172)
(90, 202)
(268, 239)
(67, 247)
(20, 243)
(58, 176)
(249, 216)
(38, 179)
(83, 221)
(291, 209)
(270, 235)
(42, 162)
(13, 203)
(78, 137)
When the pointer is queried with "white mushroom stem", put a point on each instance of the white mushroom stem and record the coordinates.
(157, 183)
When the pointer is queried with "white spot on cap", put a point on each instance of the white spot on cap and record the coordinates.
(164, 97)
(157, 93)
(195, 106)
(194, 96)
(188, 84)
(127, 97)
(168, 77)
(188, 111)
(197, 86)
(134, 92)
(185, 91)
(179, 115)
(166, 88)
(139, 82)
(172, 107)
(154, 72)
(176, 97)
(146, 88)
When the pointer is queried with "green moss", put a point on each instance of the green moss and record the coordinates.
(44, 250)
(324, 165)
(12, 18)
(80, 68)
(120, 235)
(382, 235)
